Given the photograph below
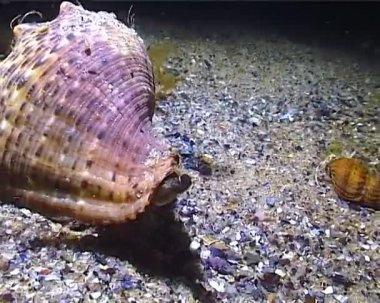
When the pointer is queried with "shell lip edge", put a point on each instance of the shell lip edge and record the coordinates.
(172, 185)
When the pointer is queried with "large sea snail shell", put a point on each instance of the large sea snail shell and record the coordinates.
(76, 105)
(353, 181)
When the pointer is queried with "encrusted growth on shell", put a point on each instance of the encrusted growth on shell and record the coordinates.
(353, 181)
(76, 104)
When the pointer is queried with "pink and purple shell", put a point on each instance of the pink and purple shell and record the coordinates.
(76, 104)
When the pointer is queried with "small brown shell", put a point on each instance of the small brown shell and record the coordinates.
(353, 181)
(76, 104)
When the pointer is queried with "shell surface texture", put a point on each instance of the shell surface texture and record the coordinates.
(76, 104)
(355, 182)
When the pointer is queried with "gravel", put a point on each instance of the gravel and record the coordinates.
(252, 116)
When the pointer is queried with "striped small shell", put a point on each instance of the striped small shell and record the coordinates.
(76, 104)
(353, 181)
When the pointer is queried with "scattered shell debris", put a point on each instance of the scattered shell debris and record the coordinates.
(252, 118)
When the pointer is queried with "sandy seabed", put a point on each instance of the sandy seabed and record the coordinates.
(262, 109)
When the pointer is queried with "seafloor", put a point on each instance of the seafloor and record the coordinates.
(262, 110)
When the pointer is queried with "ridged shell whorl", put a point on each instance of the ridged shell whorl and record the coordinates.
(76, 103)
(354, 181)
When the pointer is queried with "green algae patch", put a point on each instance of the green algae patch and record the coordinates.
(165, 81)
(334, 148)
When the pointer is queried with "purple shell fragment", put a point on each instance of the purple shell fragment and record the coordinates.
(127, 282)
(220, 265)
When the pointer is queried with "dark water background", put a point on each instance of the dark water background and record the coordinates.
(353, 26)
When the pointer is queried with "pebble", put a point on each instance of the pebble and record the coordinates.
(226, 229)
(7, 297)
(270, 281)
(195, 245)
(280, 273)
(52, 277)
(220, 265)
(15, 272)
(341, 279)
(4, 263)
(328, 290)
(219, 286)
(231, 290)
(95, 295)
(205, 253)
(218, 252)
(127, 282)
(341, 298)
(252, 259)
(271, 201)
